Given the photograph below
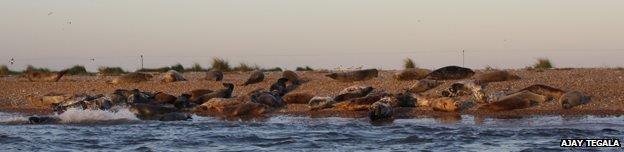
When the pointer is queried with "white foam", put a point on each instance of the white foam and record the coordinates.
(6, 118)
(81, 116)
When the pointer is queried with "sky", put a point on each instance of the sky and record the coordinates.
(319, 33)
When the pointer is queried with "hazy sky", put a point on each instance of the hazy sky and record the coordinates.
(319, 33)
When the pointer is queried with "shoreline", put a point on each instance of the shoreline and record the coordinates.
(606, 86)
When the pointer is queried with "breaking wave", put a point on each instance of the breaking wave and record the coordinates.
(91, 116)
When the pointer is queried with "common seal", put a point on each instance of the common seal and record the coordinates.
(467, 88)
(175, 116)
(218, 105)
(183, 102)
(214, 76)
(172, 76)
(43, 120)
(548, 91)
(380, 111)
(270, 99)
(255, 77)
(350, 76)
(411, 74)
(35, 76)
(280, 86)
(249, 109)
(451, 73)
(445, 104)
(573, 98)
(221, 93)
(292, 77)
(351, 92)
(195, 94)
(496, 76)
(298, 98)
(318, 103)
(150, 111)
(405, 99)
(520, 100)
(134, 77)
(163, 98)
(363, 103)
(423, 85)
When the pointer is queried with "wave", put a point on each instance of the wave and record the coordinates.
(91, 116)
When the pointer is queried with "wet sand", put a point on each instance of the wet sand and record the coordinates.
(605, 86)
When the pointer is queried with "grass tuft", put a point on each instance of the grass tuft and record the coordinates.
(543, 63)
(4, 70)
(246, 67)
(306, 68)
(220, 65)
(111, 71)
(409, 63)
(78, 70)
(196, 68)
(31, 68)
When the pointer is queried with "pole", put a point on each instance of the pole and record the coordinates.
(141, 61)
(464, 58)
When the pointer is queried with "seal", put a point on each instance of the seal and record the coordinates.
(292, 77)
(451, 73)
(363, 103)
(150, 111)
(411, 74)
(380, 111)
(519, 100)
(270, 99)
(163, 98)
(249, 109)
(496, 76)
(445, 104)
(318, 103)
(280, 86)
(548, 91)
(195, 94)
(214, 76)
(255, 77)
(217, 105)
(358, 75)
(423, 85)
(175, 116)
(573, 98)
(298, 98)
(172, 76)
(221, 93)
(183, 102)
(351, 92)
(135, 77)
(43, 120)
(466, 88)
(405, 99)
(35, 76)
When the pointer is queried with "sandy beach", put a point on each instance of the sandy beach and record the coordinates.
(605, 86)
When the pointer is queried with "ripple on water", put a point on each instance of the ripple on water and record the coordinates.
(315, 134)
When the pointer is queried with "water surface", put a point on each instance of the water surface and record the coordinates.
(286, 133)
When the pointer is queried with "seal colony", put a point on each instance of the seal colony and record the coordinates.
(449, 90)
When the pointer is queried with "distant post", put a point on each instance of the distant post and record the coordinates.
(141, 61)
(464, 58)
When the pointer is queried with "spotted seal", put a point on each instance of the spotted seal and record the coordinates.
(36, 76)
(451, 73)
(358, 75)
(255, 77)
